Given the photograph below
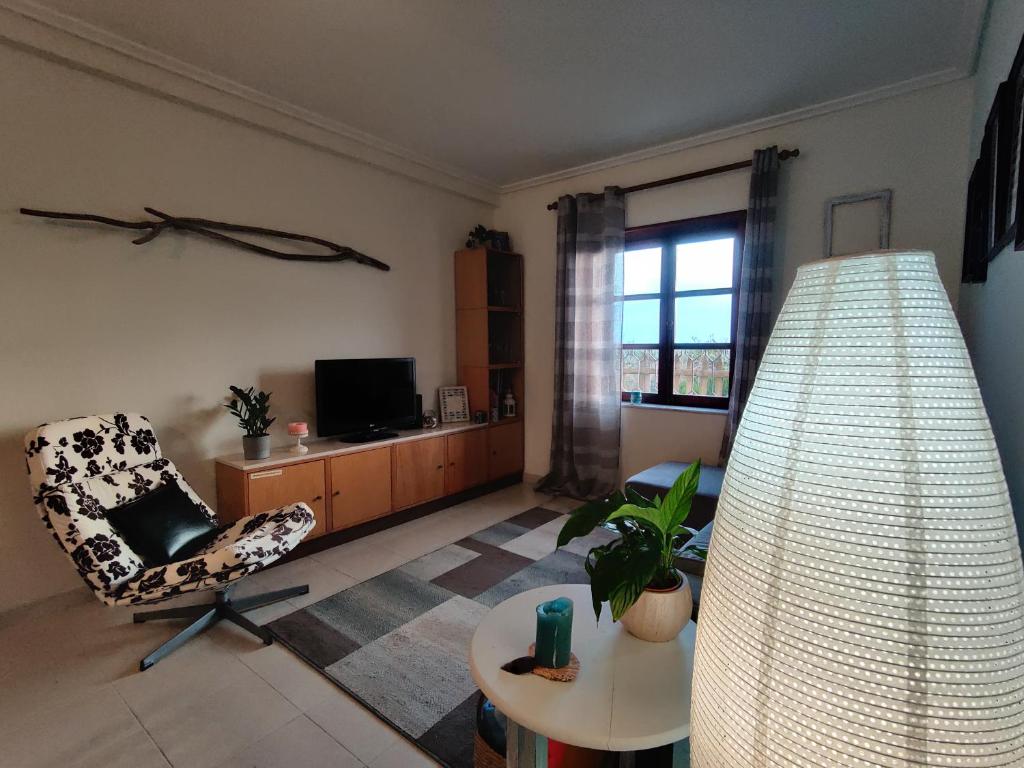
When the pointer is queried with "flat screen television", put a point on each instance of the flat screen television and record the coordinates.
(361, 399)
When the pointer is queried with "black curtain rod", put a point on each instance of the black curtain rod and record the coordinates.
(783, 155)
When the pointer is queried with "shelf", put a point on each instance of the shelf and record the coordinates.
(504, 366)
(511, 310)
(499, 422)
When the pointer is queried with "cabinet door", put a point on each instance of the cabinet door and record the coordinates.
(417, 472)
(467, 460)
(273, 488)
(506, 450)
(360, 487)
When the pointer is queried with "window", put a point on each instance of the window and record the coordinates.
(679, 310)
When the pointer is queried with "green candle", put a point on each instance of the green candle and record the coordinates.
(554, 633)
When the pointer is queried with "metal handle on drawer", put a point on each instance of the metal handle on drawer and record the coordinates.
(336, 493)
(266, 473)
(318, 498)
(440, 466)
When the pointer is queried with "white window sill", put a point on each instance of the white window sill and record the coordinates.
(678, 408)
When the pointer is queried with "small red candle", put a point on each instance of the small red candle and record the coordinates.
(298, 429)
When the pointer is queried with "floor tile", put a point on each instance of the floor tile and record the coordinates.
(223, 697)
(94, 730)
(354, 727)
(402, 754)
(362, 559)
(300, 743)
(290, 676)
(199, 669)
(203, 731)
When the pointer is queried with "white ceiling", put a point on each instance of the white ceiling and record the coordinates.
(507, 90)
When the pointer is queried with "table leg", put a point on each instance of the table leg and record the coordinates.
(524, 748)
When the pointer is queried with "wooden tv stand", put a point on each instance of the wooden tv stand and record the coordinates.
(350, 484)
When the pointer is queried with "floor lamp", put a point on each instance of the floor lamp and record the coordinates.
(862, 604)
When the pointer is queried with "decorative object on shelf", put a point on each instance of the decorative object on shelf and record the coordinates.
(454, 404)
(864, 582)
(554, 633)
(863, 225)
(636, 397)
(482, 237)
(479, 417)
(430, 420)
(252, 410)
(636, 573)
(208, 228)
(298, 430)
(509, 406)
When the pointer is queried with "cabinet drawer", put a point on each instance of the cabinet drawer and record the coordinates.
(360, 487)
(273, 488)
(417, 472)
(505, 454)
(466, 454)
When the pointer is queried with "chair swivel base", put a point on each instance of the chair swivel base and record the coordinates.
(205, 616)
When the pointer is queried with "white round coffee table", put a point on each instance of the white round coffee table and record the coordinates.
(630, 694)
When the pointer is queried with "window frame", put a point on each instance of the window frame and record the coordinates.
(666, 236)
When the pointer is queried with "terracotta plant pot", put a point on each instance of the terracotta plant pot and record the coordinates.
(660, 614)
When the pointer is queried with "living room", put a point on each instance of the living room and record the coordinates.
(450, 191)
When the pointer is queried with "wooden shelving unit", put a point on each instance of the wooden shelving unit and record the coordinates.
(489, 339)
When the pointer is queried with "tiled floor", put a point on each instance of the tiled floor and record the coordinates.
(71, 695)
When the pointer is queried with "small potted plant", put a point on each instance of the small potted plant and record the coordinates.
(252, 409)
(636, 573)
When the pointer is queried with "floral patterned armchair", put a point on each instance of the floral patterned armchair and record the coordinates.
(82, 467)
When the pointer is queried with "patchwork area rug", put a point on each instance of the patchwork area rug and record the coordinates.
(399, 642)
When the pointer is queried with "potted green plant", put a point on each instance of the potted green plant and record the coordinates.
(252, 410)
(636, 573)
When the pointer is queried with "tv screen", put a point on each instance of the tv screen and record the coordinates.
(365, 394)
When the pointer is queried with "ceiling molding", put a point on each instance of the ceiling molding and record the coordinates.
(733, 131)
(83, 46)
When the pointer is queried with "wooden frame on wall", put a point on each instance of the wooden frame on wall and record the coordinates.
(1015, 202)
(884, 199)
(995, 194)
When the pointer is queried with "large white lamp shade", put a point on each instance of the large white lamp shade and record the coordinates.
(862, 604)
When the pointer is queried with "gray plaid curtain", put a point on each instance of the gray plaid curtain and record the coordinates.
(588, 330)
(754, 298)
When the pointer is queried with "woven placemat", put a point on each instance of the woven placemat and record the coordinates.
(564, 674)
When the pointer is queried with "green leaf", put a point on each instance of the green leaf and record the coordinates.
(588, 517)
(636, 574)
(635, 497)
(680, 496)
(657, 517)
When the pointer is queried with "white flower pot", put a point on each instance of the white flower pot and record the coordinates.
(660, 614)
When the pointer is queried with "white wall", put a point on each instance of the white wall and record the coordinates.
(991, 313)
(915, 144)
(92, 323)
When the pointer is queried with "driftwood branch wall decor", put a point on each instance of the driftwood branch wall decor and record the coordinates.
(208, 228)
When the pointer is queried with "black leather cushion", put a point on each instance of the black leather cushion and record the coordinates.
(163, 526)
